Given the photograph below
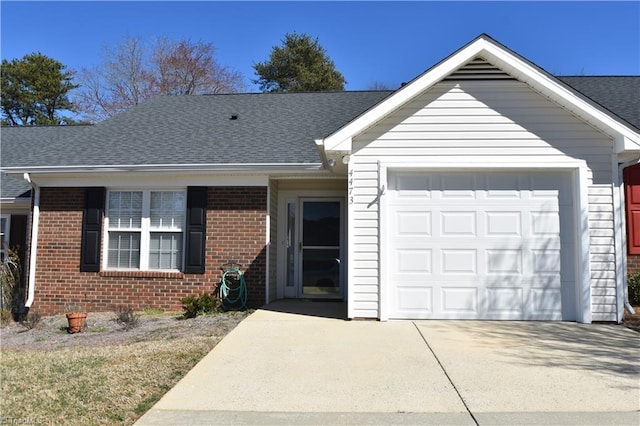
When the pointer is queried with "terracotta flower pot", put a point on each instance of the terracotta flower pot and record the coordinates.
(76, 322)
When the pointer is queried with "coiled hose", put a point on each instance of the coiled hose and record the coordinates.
(233, 296)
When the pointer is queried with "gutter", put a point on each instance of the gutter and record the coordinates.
(621, 167)
(33, 251)
(236, 167)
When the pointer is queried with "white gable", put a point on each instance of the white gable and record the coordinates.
(506, 63)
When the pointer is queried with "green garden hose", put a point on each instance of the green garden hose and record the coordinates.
(232, 296)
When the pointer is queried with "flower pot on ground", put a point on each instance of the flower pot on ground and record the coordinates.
(76, 321)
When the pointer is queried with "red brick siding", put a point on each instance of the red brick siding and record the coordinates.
(236, 230)
(633, 263)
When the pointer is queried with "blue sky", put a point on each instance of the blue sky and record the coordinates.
(386, 42)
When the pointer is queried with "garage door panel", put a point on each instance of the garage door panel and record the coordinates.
(414, 261)
(545, 223)
(546, 261)
(459, 300)
(480, 245)
(417, 300)
(413, 185)
(504, 262)
(507, 301)
(413, 223)
(546, 299)
(457, 187)
(458, 223)
(503, 223)
(458, 261)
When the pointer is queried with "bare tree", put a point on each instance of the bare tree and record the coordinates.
(131, 73)
(378, 85)
(187, 68)
(118, 83)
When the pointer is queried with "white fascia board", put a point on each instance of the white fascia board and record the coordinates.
(167, 176)
(626, 145)
(15, 201)
(240, 167)
(147, 180)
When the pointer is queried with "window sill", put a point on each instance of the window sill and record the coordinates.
(142, 274)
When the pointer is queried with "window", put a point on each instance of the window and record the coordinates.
(5, 221)
(145, 230)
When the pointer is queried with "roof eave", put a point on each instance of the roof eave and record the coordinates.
(15, 200)
(213, 168)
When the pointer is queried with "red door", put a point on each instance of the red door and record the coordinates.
(632, 184)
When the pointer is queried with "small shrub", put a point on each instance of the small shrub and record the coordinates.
(5, 317)
(127, 317)
(208, 303)
(633, 283)
(199, 305)
(189, 306)
(10, 279)
(31, 320)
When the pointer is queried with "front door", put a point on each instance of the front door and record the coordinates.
(315, 250)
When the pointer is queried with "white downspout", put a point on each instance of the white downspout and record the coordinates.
(35, 220)
(623, 218)
(267, 295)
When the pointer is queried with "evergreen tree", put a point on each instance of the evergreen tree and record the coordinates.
(34, 90)
(299, 65)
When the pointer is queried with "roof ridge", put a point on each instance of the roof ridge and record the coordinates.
(598, 76)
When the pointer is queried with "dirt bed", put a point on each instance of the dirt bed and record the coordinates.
(632, 321)
(102, 329)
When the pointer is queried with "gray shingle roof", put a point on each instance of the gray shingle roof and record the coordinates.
(14, 188)
(270, 128)
(32, 145)
(619, 94)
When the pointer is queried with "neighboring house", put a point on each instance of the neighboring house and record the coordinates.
(15, 205)
(485, 188)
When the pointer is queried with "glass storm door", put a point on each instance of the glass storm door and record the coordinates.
(320, 248)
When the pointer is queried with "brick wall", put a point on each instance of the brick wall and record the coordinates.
(633, 263)
(236, 230)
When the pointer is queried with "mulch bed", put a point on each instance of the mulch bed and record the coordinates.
(102, 329)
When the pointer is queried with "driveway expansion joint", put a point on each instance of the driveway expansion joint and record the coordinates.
(466, 407)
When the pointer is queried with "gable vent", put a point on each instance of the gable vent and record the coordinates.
(478, 69)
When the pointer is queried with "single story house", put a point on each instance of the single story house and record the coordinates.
(485, 188)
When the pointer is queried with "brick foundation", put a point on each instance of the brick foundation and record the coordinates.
(633, 263)
(236, 223)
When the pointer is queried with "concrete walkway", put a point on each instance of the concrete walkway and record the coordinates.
(299, 363)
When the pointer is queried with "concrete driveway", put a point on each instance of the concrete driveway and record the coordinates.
(296, 362)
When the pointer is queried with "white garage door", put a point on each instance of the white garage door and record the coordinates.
(480, 245)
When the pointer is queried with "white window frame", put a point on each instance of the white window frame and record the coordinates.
(145, 229)
(5, 236)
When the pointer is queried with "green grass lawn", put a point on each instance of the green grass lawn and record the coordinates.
(94, 385)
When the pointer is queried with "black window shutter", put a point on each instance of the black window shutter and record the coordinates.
(92, 229)
(196, 229)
